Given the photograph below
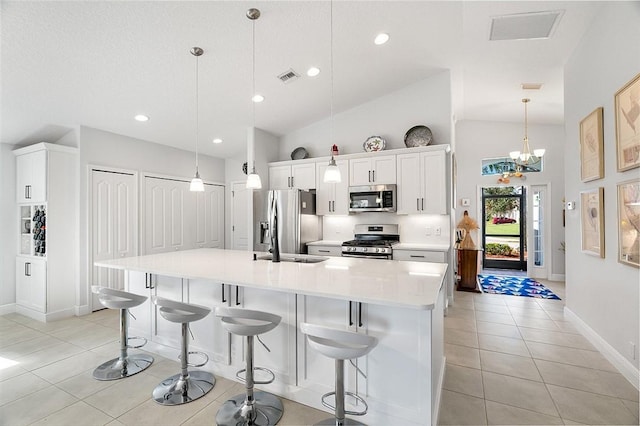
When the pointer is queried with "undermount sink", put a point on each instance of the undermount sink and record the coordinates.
(296, 259)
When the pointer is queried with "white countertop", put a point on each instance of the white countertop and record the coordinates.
(328, 243)
(383, 282)
(422, 246)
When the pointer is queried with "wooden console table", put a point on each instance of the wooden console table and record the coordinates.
(468, 270)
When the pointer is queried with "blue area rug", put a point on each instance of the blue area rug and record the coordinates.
(515, 286)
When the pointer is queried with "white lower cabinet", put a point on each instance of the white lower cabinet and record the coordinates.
(325, 250)
(31, 283)
(280, 341)
(208, 334)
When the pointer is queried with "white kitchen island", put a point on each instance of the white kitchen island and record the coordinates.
(401, 303)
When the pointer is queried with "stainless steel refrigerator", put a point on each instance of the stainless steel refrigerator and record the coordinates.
(294, 212)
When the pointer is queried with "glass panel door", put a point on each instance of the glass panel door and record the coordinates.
(504, 231)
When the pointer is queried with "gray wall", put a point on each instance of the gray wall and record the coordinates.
(602, 292)
(102, 148)
(9, 220)
(476, 140)
(427, 102)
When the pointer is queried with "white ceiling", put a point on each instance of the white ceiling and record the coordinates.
(98, 63)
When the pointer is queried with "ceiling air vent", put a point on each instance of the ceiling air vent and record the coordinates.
(289, 76)
(525, 26)
(531, 86)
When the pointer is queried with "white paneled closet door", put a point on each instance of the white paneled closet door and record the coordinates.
(239, 216)
(167, 201)
(210, 217)
(114, 201)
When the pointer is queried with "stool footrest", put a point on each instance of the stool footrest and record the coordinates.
(144, 342)
(202, 364)
(257, 382)
(351, 394)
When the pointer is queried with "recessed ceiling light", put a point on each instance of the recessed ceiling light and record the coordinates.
(381, 38)
(141, 117)
(257, 98)
(217, 140)
(313, 71)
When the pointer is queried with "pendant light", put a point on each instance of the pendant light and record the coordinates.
(196, 183)
(525, 157)
(332, 172)
(253, 178)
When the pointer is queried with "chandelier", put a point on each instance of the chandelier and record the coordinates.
(525, 157)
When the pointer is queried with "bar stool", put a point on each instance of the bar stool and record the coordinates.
(126, 364)
(339, 345)
(185, 386)
(252, 408)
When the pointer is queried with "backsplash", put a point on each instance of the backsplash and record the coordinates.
(413, 228)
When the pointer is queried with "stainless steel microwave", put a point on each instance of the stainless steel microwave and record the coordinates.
(374, 198)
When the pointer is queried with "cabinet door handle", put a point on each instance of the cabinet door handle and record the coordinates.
(350, 314)
(369, 175)
(324, 251)
(329, 205)
(418, 256)
(27, 269)
(374, 176)
(333, 206)
(423, 204)
(418, 204)
(359, 314)
(292, 181)
(237, 296)
(223, 299)
(146, 280)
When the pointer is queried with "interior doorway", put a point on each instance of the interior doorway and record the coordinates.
(504, 230)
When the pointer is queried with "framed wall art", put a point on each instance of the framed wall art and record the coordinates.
(592, 221)
(592, 147)
(629, 222)
(627, 108)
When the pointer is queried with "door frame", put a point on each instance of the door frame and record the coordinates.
(136, 200)
(547, 228)
(544, 271)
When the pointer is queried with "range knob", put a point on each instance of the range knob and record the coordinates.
(364, 249)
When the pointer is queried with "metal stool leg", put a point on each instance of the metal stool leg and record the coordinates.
(251, 408)
(185, 386)
(339, 419)
(125, 365)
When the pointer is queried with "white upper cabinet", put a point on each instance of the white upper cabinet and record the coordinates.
(379, 170)
(332, 198)
(422, 183)
(31, 177)
(301, 176)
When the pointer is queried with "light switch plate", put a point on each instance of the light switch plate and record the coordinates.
(465, 202)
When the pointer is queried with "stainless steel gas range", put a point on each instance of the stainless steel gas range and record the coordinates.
(372, 242)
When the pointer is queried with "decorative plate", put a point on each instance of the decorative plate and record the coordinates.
(374, 143)
(418, 136)
(299, 153)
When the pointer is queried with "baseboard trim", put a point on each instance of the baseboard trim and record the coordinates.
(436, 411)
(82, 310)
(39, 316)
(556, 277)
(626, 368)
(9, 308)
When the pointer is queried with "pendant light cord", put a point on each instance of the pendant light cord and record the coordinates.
(331, 74)
(197, 114)
(253, 92)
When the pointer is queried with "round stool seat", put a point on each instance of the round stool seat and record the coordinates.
(117, 299)
(180, 312)
(126, 364)
(338, 344)
(245, 322)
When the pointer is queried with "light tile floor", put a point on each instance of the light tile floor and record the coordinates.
(510, 360)
(517, 360)
(52, 384)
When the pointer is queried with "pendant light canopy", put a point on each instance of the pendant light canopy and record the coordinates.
(253, 178)
(332, 172)
(525, 157)
(196, 183)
